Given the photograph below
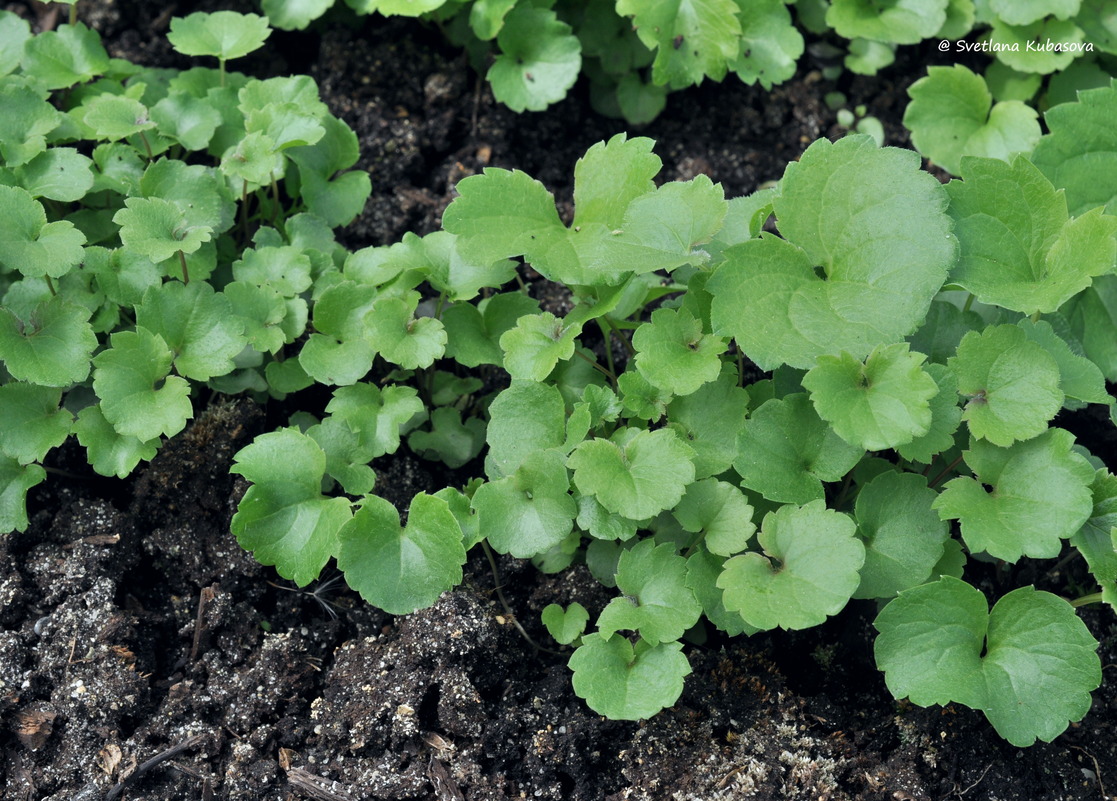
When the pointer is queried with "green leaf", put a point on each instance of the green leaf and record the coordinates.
(636, 473)
(283, 518)
(524, 418)
(1059, 43)
(294, 15)
(785, 451)
(473, 331)
(899, 21)
(692, 38)
(401, 337)
(1040, 495)
(720, 512)
(198, 192)
(189, 120)
(1079, 378)
(14, 34)
(224, 34)
(539, 61)
(1090, 316)
(110, 453)
(138, 395)
(31, 245)
(52, 348)
(115, 117)
(376, 415)
(880, 404)
(709, 420)
(530, 511)
(346, 459)
(197, 324)
(1019, 250)
(15, 481)
(626, 682)
(1095, 540)
(565, 625)
(59, 59)
(770, 45)
(60, 173)
(610, 176)
(1079, 154)
(390, 8)
(1024, 12)
(336, 198)
(1011, 382)
(946, 415)
(903, 536)
(536, 345)
(1029, 665)
(450, 440)
(877, 227)
(402, 569)
(673, 353)
(703, 569)
(158, 229)
(866, 57)
(26, 121)
(818, 556)
(341, 353)
(656, 600)
(33, 423)
(952, 115)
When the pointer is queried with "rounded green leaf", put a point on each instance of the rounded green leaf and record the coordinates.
(524, 418)
(903, 535)
(1055, 43)
(656, 602)
(877, 405)
(1011, 382)
(15, 481)
(138, 395)
(26, 121)
(198, 325)
(710, 419)
(720, 512)
(33, 423)
(623, 682)
(818, 557)
(530, 511)
(401, 569)
(29, 244)
(867, 245)
(946, 414)
(401, 337)
(539, 61)
(110, 453)
(1029, 665)
(899, 21)
(60, 173)
(565, 625)
(636, 474)
(1040, 495)
(158, 229)
(58, 59)
(52, 348)
(289, 15)
(115, 117)
(672, 352)
(536, 345)
(224, 34)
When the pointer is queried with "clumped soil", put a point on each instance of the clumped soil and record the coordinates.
(144, 655)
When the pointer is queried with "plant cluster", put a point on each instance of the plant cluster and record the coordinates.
(635, 51)
(732, 427)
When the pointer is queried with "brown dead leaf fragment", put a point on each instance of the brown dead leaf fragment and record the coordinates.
(33, 726)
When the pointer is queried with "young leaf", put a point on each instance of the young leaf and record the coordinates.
(656, 600)
(292, 15)
(1012, 384)
(189, 120)
(138, 396)
(283, 518)
(60, 173)
(340, 353)
(1040, 495)
(1019, 250)
(946, 415)
(952, 115)
(524, 418)
(770, 44)
(1029, 664)
(785, 451)
(110, 453)
(710, 419)
(1060, 43)
(636, 473)
(401, 569)
(539, 61)
(899, 21)
(626, 682)
(158, 229)
(565, 625)
(702, 571)
(530, 511)
(14, 33)
(1096, 539)
(33, 423)
(224, 34)
(52, 347)
(692, 38)
(376, 415)
(29, 244)
(1080, 154)
(721, 512)
(401, 337)
(610, 176)
(473, 331)
(819, 557)
(198, 325)
(880, 404)
(1079, 378)
(453, 442)
(674, 354)
(536, 345)
(15, 481)
(115, 117)
(59, 59)
(903, 536)
(877, 227)
(26, 121)
(346, 459)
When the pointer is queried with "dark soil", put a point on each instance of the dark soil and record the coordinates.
(144, 655)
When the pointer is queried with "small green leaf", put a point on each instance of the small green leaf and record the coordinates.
(294, 15)
(1096, 539)
(626, 682)
(1059, 43)
(1040, 495)
(536, 345)
(785, 451)
(539, 61)
(115, 117)
(899, 21)
(952, 115)
(52, 348)
(138, 395)
(1012, 384)
(1029, 665)
(283, 518)
(721, 512)
(224, 34)
(692, 38)
(818, 556)
(198, 325)
(189, 120)
(770, 44)
(31, 245)
(59, 59)
(401, 337)
(26, 121)
(524, 418)
(673, 353)
(709, 421)
(880, 404)
(33, 423)
(530, 511)
(158, 229)
(60, 173)
(14, 34)
(656, 600)
(450, 440)
(401, 569)
(703, 569)
(110, 453)
(473, 331)
(565, 625)
(377, 415)
(15, 481)
(946, 415)
(636, 473)
(1079, 378)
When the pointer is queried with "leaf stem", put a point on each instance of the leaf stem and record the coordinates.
(1092, 598)
(50, 286)
(74, 14)
(504, 602)
(631, 351)
(968, 304)
(185, 271)
(607, 373)
(147, 146)
(945, 471)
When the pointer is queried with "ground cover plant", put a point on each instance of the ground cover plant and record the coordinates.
(659, 456)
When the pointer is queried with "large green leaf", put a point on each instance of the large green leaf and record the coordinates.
(626, 682)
